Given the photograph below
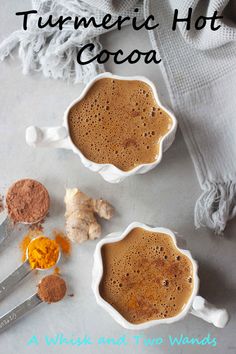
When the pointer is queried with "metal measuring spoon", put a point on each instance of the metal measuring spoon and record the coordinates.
(9, 318)
(3, 226)
(5, 221)
(20, 273)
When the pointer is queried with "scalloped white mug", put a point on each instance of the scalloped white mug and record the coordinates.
(196, 304)
(59, 137)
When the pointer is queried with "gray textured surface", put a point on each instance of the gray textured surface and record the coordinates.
(163, 197)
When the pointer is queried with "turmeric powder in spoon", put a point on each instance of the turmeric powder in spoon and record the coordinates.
(43, 253)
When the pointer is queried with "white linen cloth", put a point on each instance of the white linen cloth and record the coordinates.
(200, 72)
(54, 52)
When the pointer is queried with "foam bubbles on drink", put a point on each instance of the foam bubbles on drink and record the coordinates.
(145, 276)
(118, 122)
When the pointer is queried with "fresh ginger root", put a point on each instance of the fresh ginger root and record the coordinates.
(81, 224)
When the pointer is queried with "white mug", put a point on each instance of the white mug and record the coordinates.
(59, 137)
(196, 305)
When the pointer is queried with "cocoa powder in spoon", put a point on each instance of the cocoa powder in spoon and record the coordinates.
(27, 201)
(52, 288)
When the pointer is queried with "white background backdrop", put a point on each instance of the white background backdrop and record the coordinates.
(163, 197)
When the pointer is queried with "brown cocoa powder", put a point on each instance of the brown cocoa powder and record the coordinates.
(52, 288)
(1, 203)
(27, 201)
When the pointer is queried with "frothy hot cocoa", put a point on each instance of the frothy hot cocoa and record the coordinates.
(145, 276)
(119, 122)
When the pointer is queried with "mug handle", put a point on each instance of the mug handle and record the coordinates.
(208, 312)
(56, 137)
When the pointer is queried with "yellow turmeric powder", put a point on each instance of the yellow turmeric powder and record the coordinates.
(24, 245)
(26, 240)
(43, 253)
(57, 271)
(63, 242)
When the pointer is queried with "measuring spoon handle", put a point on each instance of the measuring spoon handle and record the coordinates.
(3, 230)
(13, 279)
(9, 318)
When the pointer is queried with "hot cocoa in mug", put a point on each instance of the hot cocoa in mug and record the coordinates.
(119, 122)
(145, 276)
(142, 278)
(117, 126)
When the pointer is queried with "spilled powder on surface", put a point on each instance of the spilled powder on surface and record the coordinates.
(60, 238)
